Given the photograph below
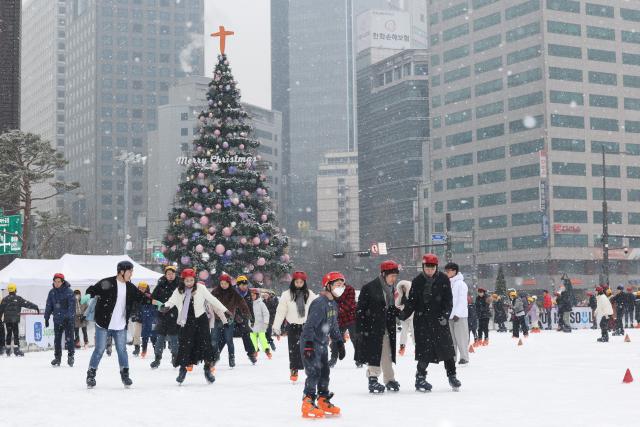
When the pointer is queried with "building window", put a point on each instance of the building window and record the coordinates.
(460, 204)
(634, 218)
(632, 104)
(564, 144)
(487, 43)
(421, 69)
(566, 192)
(565, 121)
(489, 109)
(569, 216)
(455, 32)
(488, 87)
(522, 9)
(457, 95)
(564, 28)
(570, 240)
(630, 14)
(456, 10)
(486, 21)
(603, 101)
(490, 154)
(525, 195)
(612, 171)
(459, 182)
(603, 78)
(523, 32)
(565, 51)
(457, 117)
(630, 58)
(184, 132)
(632, 126)
(526, 123)
(524, 77)
(457, 74)
(493, 245)
(614, 194)
(460, 160)
(453, 54)
(488, 65)
(492, 199)
(492, 177)
(490, 132)
(492, 222)
(458, 138)
(526, 218)
(524, 101)
(526, 147)
(525, 171)
(601, 55)
(598, 123)
(562, 97)
(560, 168)
(568, 74)
(599, 10)
(633, 172)
(524, 54)
(631, 81)
(612, 217)
(572, 6)
(609, 147)
(602, 33)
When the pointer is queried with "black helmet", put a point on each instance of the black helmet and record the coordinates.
(124, 266)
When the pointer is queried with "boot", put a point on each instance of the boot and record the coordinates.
(309, 408)
(393, 385)
(77, 344)
(232, 361)
(8, 351)
(375, 386)
(91, 378)
(136, 350)
(70, 360)
(454, 382)
(326, 406)
(18, 352)
(208, 374)
(181, 374)
(155, 363)
(144, 350)
(268, 353)
(421, 383)
(124, 375)
(402, 349)
(294, 375)
(56, 360)
(272, 345)
(253, 358)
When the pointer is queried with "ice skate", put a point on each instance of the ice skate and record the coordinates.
(375, 386)
(326, 406)
(309, 408)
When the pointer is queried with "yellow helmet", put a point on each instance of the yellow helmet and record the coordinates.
(143, 285)
(11, 287)
(513, 294)
(529, 299)
(241, 279)
(609, 292)
(170, 267)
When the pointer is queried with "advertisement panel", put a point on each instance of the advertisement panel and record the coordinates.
(383, 29)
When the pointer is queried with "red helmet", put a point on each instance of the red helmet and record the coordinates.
(389, 267)
(332, 277)
(589, 293)
(58, 276)
(299, 275)
(225, 277)
(599, 289)
(430, 259)
(188, 272)
(482, 290)
(629, 289)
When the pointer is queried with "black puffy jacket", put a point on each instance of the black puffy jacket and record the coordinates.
(11, 307)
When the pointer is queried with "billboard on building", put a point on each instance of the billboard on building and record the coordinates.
(384, 29)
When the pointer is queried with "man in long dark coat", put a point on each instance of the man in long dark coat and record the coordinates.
(430, 301)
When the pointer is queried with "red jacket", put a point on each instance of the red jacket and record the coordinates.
(547, 303)
(347, 307)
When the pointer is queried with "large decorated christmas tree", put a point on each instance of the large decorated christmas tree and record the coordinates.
(224, 221)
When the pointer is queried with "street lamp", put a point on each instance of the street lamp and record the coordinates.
(128, 158)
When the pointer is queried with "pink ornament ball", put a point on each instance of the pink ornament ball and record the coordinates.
(214, 167)
(256, 241)
(235, 201)
(225, 145)
(219, 249)
(183, 215)
(185, 241)
(200, 175)
(216, 132)
(241, 146)
(204, 220)
(285, 258)
(212, 230)
(208, 211)
(261, 261)
(218, 206)
(258, 276)
(199, 249)
(203, 275)
(263, 218)
(226, 232)
(266, 241)
(243, 240)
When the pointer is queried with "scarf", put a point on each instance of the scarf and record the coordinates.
(299, 298)
(386, 292)
(185, 306)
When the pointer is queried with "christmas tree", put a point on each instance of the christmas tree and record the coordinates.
(501, 283)
(224, 221)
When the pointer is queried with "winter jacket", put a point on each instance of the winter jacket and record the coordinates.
(500, 315)
(165, 322)
(347, 307)
(272, 306)
(248, 301)
(11, 307)
(61, 303)
(517, 307)
(548, 302)
(631, 301)
(430, 301)
(375, 319)
(322, 322)
(603, 307)
(459, 290)
(236, 305)
(107, 290)
(200, 294)
(141, 308)
(287, 310)
(592, 302)
(564, 302)
(534, 313)
(482, 307)
(472, 320)
(620, 300)
(261, 316)
(81, 309)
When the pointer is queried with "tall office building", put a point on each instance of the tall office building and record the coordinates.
(43, 82)
(525, 95)
(10, 65)
(122, 57)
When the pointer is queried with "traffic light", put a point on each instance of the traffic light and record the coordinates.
(339, 255)
(363, 254)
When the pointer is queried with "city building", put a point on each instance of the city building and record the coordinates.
(338, 198)
(121, 59)
(525, 96)
(10, 65)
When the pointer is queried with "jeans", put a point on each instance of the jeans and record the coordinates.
(628, 317)
(604, 327)
(222, 335)
(12, 328)
(548, 314)
(160, 342)
(120, 340)
(65, 327)
(317, 370)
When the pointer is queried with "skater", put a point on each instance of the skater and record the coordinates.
(458, 319)
(62, 304)
(80, 321)
(472, 320)
(376, 323)
(518, 315)
(500, 315)
(10, 307)
(260, 324)
(637, 305)
(431, 300)
(222, 333)
(620, 301)
(194, 338)
(402, 293)
(603, 311)
(347, 323)
(144, 314)
(484, 314)
(533, 314)
(166, 328)
(547, 304)
(592, 305)
(271, 301)
(293, 308)
(321, 324)
(629, 308)
(117, 296)
(244, 329)
(564, 310)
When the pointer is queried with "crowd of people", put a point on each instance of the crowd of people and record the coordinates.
(436, 309)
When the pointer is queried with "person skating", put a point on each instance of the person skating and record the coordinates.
(321, 324)
(592, 305)
(80, 320)
(144, 314)
(629, 307)
(260, 324)
(347, 323)
(116, 299)
(61, 303)
(547, 304)
(472, 320)
(518, 315)
(293, 308)
(533, 314)
(431, 300)
(603, 313)
(620, 301)
(10, 307)
(402, 293)
(194, 337)
(637, 305)
(484, 314)
(271, 301)
(500, 314)
(166, 328)
(244, 329)
(458, 319)
(222, 333)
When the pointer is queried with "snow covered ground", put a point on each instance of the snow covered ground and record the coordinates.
(554, 379)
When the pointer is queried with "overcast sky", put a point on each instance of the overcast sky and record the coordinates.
(249, 50)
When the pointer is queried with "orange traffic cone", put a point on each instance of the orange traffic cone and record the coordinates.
(189, 368)
(520, 341)
(627, 377)
(471, 350)
(626, 338)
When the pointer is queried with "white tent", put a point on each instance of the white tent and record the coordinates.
(34, 276)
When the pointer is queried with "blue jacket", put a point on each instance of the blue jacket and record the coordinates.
(322, 322)
(61, 303)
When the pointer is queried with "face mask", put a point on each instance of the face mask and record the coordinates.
(338, 291)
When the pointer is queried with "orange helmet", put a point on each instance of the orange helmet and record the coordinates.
(332, 277)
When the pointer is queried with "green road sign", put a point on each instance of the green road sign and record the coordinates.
(10, 234)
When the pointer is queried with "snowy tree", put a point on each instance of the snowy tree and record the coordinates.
(224, 221)
(501, 283)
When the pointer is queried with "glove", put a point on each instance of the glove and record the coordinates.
(456, 318)
(308, 350)
(442, 321)
(85, 299)
(46, 323)
(341, 350)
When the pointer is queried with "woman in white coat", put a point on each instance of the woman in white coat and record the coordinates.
(258, 333)
(603, 313)
(194, 337)
(294, 307)
(402, 293)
